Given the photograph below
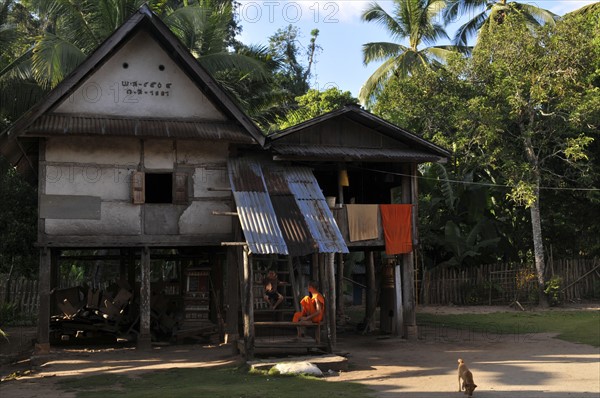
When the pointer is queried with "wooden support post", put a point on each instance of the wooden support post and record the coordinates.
(131, 269)
(144, 338)
(315, 260)
(398, 324)
(43, 341)
(330, 307)
(248, 307)
(295, 290)
(233, 306)
(408, 274)
(371, 299)
(54, 280)
(340, 313)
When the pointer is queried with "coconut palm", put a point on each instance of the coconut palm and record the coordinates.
(490, 12)
(72, 30)
(412, 20)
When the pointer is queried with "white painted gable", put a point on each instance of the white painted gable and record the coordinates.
(140, 80)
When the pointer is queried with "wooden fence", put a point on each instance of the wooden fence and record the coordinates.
(22, 295)
(508, 283)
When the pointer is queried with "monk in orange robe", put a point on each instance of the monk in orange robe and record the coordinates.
(313, 306)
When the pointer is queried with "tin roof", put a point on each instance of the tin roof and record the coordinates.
(60, 124)
(282, 209)
(347, 154)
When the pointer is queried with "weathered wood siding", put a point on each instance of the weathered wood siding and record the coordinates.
(342, 132)
(93, 176)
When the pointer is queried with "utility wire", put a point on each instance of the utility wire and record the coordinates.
(487, 184)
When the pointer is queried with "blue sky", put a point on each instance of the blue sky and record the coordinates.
(341, 33)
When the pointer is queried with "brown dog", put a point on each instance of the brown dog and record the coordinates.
(464, 373)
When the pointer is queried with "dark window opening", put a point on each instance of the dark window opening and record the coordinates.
(159, 187)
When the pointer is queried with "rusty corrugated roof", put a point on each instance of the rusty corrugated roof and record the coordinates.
(316, 212)
(60, 124)
(265, 192)
(348, 154)
(254, 208)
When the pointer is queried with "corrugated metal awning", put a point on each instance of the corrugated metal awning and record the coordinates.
(282, 209)
(335, 153)
(61, 124)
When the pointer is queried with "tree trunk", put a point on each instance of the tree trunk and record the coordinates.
(538, 249)
(536, 225)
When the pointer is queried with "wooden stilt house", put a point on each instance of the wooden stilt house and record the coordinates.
(147, 171)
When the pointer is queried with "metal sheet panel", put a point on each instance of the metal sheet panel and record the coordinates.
(293, 225)
(354, 154)
(316, 212)
(60, 124)
(259, 223)
(291, 218)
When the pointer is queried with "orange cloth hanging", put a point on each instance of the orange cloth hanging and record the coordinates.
(397, 228)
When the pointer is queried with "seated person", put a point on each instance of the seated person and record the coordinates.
(271, 295)
(313, 306)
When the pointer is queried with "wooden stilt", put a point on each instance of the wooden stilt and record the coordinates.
(295, 290)
(145, 338)
(248, 308)
(233, 306)
(331, 306)
(43, 341)
(371, 299)
(398, 323)
(340, 313)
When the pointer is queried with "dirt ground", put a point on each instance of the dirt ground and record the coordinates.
(515, 365)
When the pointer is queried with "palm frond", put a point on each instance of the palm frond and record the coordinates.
(53, 59)
(247, 65)
(374, 13)
(541, 15)
(375, 82)
(457, 8)
(381, 50)
(469, 29)
(442, 53)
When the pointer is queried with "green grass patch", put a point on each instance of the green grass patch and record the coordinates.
(574, 326)
(224, 382)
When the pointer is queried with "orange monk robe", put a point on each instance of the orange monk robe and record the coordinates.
(309, 306)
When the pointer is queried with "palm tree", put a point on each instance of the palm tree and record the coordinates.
(413, 20)
(490, 12)
(72, 30)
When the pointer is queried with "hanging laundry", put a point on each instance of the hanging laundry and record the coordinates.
(397, 228)
(363, 222)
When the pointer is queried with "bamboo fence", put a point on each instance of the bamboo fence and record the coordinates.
(508, 283)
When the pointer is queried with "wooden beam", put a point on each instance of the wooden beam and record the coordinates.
(408, 274)
(234, 244)
(43, 332)
(371, 299)
(398, 323)
(331, 314)
(248, 306)
(339, 283)
(233, 305)
(144, 338)
(225, 213)
(295, 290)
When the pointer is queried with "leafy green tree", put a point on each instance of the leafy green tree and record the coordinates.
(18, 223)
(522, 114)
(72, 30)
(413, 20)
(293, 73)
(491, 13)
(315, 103)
